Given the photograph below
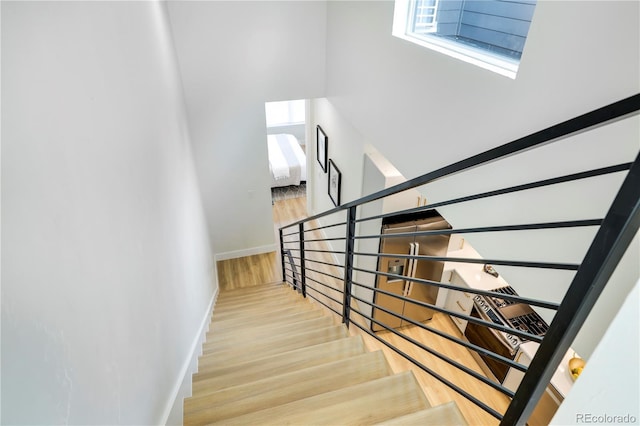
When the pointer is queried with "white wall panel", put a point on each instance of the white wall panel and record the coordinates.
(107, 270)
(235, 56)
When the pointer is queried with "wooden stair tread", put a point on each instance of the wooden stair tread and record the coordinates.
(251, 333)
(264, 308)
(276, 344)
(447, 414)
(266, 295)
(366, 403)
(281, 316)
(285, 388)
(258, 289)
(279, 330)
(270, 299)
(216, 377)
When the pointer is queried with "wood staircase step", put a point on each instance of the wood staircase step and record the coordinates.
(272, 298)
(276, 344)
(367, 403)
(214, 377)
(231, 336)
(267, 310)
(285, 388)
(257, 296)
(243, 292)
(283, 317)
(447, 414)
(271, 357)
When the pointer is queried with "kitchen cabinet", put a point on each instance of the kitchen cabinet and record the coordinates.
(459, 301)
(553, 396)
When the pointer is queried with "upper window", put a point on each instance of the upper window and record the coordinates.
(285, 113)
(487, 33)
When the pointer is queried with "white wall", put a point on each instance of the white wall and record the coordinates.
(612, 370)
(106, 265)
(423, 110)
(235, 56)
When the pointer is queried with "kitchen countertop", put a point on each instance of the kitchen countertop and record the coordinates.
(561, 379)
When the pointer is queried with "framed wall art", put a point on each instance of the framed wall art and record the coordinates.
(321, 147)
(335, 178)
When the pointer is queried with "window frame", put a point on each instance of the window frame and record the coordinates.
(403, 13)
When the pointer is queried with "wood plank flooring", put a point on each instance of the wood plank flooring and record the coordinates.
(287, 211)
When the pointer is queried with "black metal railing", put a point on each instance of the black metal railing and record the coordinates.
(333, 258)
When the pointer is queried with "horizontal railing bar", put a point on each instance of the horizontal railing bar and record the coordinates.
(475, 320)
(291, 233)
(325, 251)
(324, 304)
(325, 274)
(529, 301)
(321, 263)
(324, 239)
(519, 263)
(538, 184)
(332, 225)
(325, 295)
(579, 124)
(453, 339)
(444, 358)
(324, 285)
(316, 240)
(432, 373)
(499, 228)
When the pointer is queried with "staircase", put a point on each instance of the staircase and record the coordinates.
(271, 357)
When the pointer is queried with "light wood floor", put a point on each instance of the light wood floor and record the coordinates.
(251, 270)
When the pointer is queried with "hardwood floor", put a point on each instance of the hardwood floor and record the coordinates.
(249, 271)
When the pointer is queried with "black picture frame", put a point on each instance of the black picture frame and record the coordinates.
(321, 147)
(335, 181)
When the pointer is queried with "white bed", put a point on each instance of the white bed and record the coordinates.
(287, 162)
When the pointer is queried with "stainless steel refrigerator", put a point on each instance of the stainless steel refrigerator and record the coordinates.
(429, 245)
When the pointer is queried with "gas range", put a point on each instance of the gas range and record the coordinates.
(510, 314)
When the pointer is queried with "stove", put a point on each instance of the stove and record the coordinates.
(518, 315)
(510, 314)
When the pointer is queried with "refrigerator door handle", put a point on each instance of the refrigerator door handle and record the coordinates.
(407, 283)
(414, 265)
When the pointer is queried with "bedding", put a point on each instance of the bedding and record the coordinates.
(287, 162)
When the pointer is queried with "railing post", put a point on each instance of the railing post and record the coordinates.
(348, 264)
(303, 281)
(609, 245)
(282, 254)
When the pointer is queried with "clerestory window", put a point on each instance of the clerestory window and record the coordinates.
(487, 33)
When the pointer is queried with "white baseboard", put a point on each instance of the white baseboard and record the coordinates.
(246, 252)
(173, 414)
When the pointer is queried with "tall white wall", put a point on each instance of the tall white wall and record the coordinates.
(235, 56)
(616, 356)
(106, 263)
(421, 110)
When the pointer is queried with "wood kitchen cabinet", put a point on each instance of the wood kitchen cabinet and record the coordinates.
(459, 301)
(550, 399)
